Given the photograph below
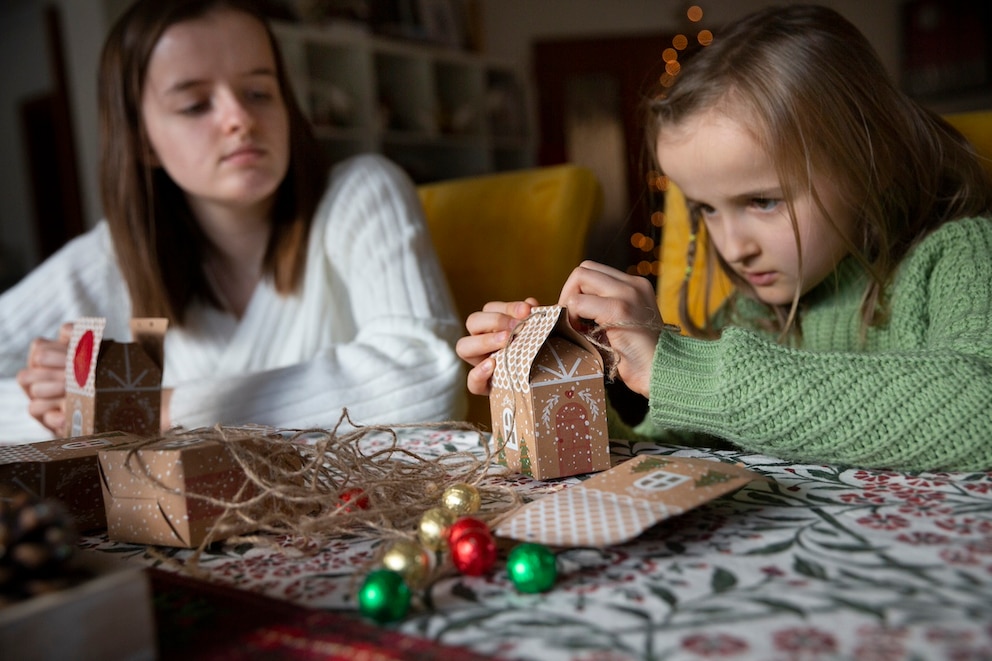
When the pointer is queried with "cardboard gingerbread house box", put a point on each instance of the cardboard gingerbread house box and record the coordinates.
(548, 399)
(64, 469)
(173, 490)
(114, 386)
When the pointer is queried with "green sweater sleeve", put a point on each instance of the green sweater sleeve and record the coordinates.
(916, 395)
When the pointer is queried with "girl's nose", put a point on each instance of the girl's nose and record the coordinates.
(734, 243)
(235, 116)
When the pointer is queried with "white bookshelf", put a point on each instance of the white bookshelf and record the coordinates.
(439, 113)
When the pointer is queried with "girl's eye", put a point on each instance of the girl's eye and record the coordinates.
(702, 210)
(765, 203)
(259, 95)
(197, 108)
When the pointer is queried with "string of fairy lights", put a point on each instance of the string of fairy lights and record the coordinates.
(648, 245)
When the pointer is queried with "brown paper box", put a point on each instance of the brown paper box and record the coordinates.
(114, 386)
(64, 469)
(548, 399)
(150, 493)
(618, 505)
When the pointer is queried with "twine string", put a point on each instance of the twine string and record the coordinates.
(294, 479)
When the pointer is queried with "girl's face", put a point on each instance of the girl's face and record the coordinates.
(214, 114)
(731, 182)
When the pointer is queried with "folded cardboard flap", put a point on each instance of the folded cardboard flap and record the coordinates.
(65, 469)
(548, 399)
(160, 492)
(617, 505)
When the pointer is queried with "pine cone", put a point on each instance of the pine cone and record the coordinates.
(36, 544)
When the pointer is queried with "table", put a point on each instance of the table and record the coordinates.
(817, 562)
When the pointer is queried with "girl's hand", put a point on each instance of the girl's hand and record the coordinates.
(627, 307)
(43, 380)
(489, 331)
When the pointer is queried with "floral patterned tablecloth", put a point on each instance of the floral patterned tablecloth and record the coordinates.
(817, 562)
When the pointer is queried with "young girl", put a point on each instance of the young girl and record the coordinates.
(855, 225)
(289, 295)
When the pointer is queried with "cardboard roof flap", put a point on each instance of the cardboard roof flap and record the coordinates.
(513, 368)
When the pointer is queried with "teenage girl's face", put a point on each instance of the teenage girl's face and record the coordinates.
(214, 114)
(731, 182)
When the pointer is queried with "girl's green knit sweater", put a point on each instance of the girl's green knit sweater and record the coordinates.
(916, 394)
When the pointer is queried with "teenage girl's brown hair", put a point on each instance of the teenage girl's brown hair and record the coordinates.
(158, 242)
(819, 101)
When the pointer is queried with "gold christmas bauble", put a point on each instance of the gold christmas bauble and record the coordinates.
(409, 560)
(461, 499)
(433, 528)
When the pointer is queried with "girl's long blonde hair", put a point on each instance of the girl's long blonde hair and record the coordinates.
(820, 101)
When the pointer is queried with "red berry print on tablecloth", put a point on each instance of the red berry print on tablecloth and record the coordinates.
(84, 355)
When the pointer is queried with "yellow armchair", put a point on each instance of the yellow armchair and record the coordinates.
(507, 236)
(975, 126)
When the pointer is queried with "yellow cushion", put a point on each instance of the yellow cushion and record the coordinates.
(674, 257)
(507, 236)
(977, 128)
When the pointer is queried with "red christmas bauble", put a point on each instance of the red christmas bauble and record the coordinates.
(464, 525)
(354, 496)
(474, 552)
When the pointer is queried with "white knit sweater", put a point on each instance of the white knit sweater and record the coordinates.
(372, 328)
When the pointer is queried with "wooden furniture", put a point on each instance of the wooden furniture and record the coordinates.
(439, 113)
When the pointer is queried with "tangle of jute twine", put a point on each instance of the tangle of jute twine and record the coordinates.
(295, 480)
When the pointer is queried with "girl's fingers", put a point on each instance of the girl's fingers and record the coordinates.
(475, 348)
(54, 420)
(47, 389)
(47, 353)
(488, 322)
(515, 309)
(601, 280)
(479, 376)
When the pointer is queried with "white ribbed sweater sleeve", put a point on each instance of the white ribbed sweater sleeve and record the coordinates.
(375, 297)
(80, 280)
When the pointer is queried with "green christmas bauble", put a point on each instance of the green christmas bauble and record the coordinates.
(384, 596)
(532, 567)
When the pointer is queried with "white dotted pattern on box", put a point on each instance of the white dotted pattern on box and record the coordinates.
(581, 516)
(514, 360)
(13, 453)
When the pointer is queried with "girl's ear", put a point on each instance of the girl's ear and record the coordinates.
(148, 156)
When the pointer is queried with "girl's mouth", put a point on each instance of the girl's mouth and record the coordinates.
(763, 279)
